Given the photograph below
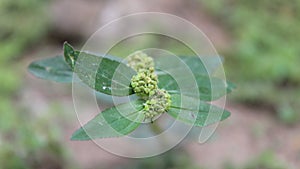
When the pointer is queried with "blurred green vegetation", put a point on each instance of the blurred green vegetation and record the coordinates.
(266, 160)
(265, 53)
(26, 141)
(178, 159)
(22, 23)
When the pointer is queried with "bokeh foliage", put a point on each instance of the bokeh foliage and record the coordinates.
(265, 52)
(25, 140)
(21, 24)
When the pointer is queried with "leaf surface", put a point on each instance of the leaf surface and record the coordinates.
(195, 112)
(54, 69)
(103, 74)
(209, 88)
(199, 65)
(113, 122)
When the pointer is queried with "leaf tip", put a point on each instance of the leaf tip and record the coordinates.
(67, 48)
(231, 86)
(226, 114)
(74, 138)
(67, 45)
(80, 135)
(70, 54)
(30, 67)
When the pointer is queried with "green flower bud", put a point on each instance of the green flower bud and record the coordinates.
(158, 103)
(144, 83)
(139, 60)
(145, 86)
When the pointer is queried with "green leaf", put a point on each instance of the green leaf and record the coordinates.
(196, 64)
(113, 122)
(54, 69)
(184, 109)
(210, 88)
(99, 72)
(70, 55)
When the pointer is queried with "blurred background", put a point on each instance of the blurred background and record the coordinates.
(258, 39)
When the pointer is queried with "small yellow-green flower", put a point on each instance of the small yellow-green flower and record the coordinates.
(145, 86)
(158, 103)
(144, 83)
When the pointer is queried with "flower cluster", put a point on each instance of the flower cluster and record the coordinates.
(145, 86)
(144, 83)
(140, 61)
(157, 103)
